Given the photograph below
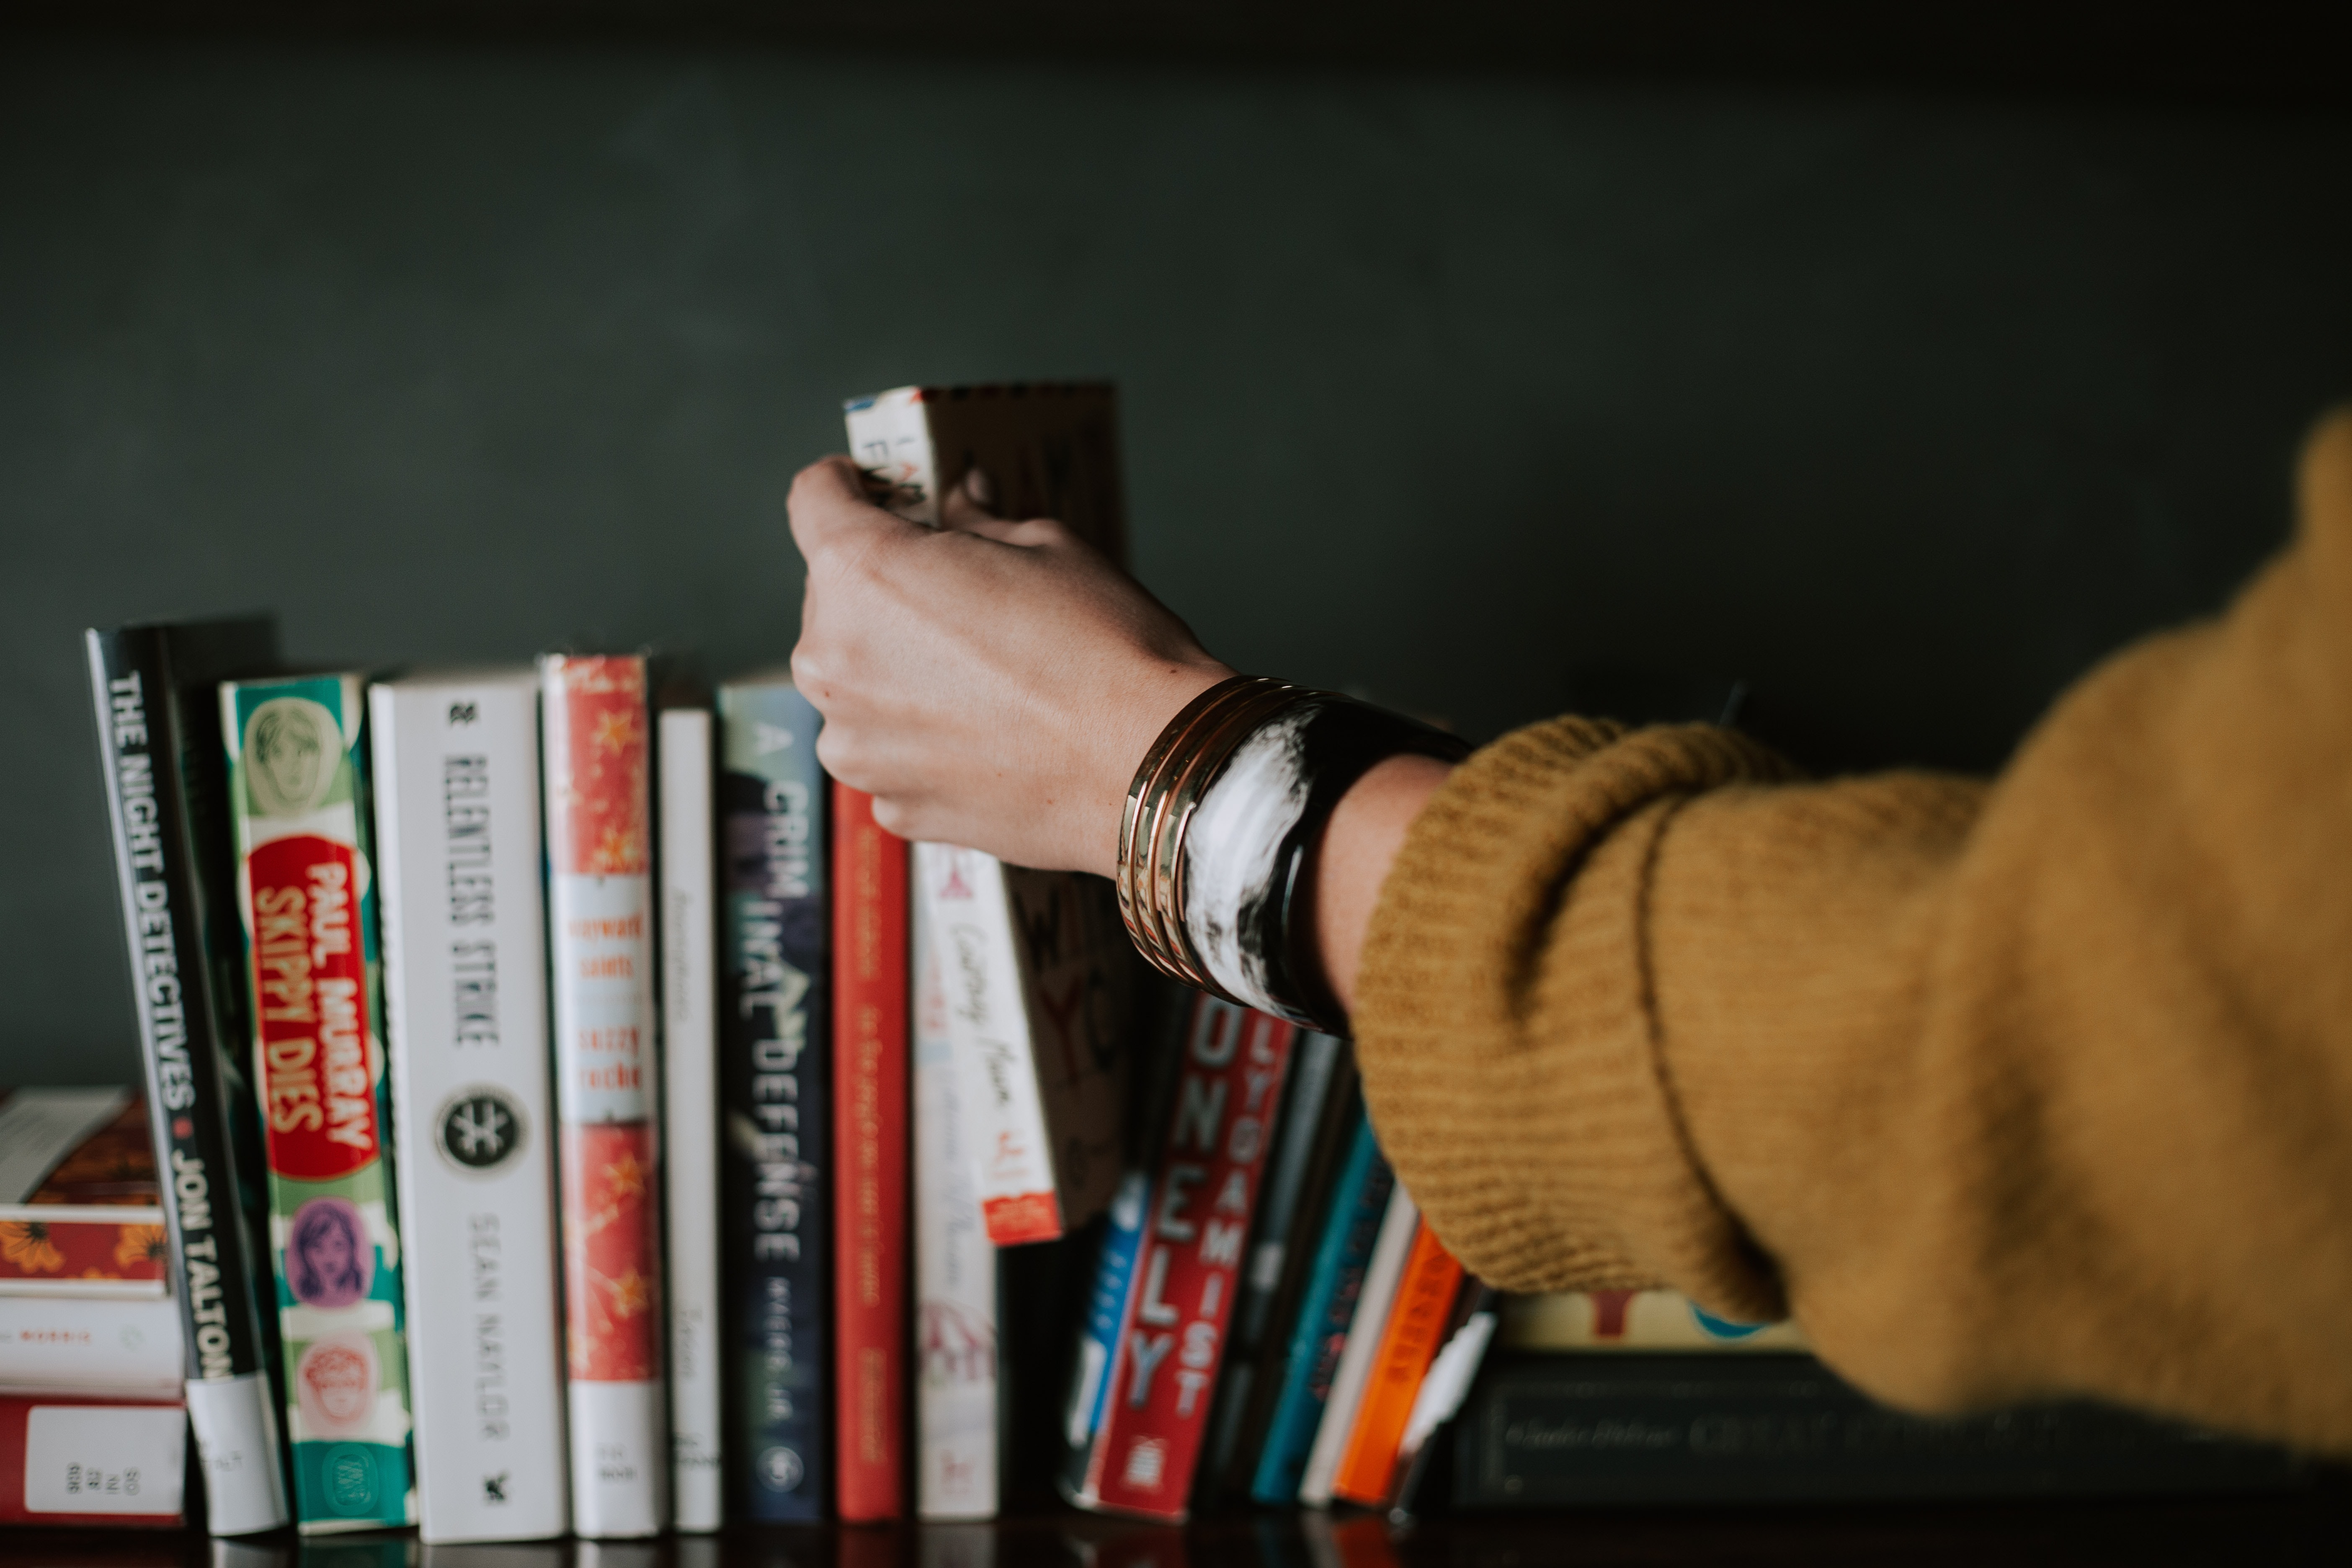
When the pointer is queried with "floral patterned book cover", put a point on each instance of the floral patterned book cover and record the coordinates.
(81, 1212)
(598, 753)
(297, 804)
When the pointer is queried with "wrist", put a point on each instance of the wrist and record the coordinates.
(1153, 698)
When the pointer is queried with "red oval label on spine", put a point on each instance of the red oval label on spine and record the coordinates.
(309, 998)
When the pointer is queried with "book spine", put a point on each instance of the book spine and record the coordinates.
(103, 1463)
(1441, 1393)
(1326, 1309)
(1206, 1193)
(600, 915)
(775, 1086)
(965, 900)
(869, 1108)
(1105, 1320)
(211, 1261)
(1635, 1320)
(1315, 1069)
(689, 999)
(957, 1380)
(96, 1345)
(1382, 1274)
(298, 754)
(457, 818)
(1416, 1327)
(1077, 975)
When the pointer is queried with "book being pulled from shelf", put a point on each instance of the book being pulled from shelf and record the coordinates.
(298, 810)
(1038, 972)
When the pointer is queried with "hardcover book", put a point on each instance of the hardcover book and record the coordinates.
(154, 687)
(298, 756)
(775, 1087)
(114, 1464)
(1045, 1045)
(457, 829)
(601, 948)
(81, 1212)
(955, 1275)
(1633, 1321)
(1383, 1272)
(690, 968)
(869, 1107)
(1180, 1307)
(122, 1346)
(1326, 1311)
(1040, 984)
(1563, 1430)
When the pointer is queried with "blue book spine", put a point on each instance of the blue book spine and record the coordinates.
(1106, 1305)
(1359, 1199)
(775, 1086)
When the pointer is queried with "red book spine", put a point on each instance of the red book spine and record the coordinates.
(1174, 1337)
(70, 1459)
(869, 1107)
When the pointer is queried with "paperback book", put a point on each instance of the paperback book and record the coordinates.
(458, 826)
(80, 1461)
(81, 1212)
(297, 757)
(153, 688)
(598, 785)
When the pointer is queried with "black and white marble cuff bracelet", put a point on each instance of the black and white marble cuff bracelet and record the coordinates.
(1222, 823)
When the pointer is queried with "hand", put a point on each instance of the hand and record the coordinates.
(992, 684)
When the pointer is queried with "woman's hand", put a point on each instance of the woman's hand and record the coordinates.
(990, 684)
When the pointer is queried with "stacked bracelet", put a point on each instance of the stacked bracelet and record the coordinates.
(1221, 826)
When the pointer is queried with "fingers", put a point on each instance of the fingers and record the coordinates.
(828, 507)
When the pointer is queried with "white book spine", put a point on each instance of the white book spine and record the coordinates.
(110, 1346)
(1382, 1275)
(971, 916)
(688, 928)
(955, 1273)
(458, 848)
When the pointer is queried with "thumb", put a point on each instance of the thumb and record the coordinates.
(828, 507)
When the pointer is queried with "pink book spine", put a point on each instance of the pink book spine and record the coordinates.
(600, 913)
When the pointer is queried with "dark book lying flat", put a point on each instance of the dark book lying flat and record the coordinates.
(1542, 1431)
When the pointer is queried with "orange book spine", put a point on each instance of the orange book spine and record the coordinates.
(1424, 1301)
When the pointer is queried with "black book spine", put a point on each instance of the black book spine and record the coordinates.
(213, 1262)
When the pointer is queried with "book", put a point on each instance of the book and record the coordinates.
(1144, 1453)
(1550, 1430)
(688, 933)
(115, 1464)
(597, 768)
(152, 688)
(775, 1088)
(465, 959)
(955, 1328)
(1633, 1321)
(1449, 1382)
(1045, 1045)
(1049, 449)
(869, 1191)
(1383, 1273)
(1416, 1329)
(1326, 1311)
(1319, 1077)
(81, 1212)
(1040, 987)
(298, 810)
(113, 1345)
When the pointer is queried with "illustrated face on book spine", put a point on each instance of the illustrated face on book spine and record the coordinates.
(293, 748)
(329, 1262)
(335, 1383)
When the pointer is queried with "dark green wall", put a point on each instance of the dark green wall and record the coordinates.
(1483, 397)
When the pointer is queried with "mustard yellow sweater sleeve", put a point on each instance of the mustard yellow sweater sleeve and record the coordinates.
(2030, 1088)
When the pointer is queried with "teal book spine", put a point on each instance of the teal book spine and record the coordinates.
(298, 810)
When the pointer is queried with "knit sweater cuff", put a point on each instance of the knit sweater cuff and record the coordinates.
(1504, 1024)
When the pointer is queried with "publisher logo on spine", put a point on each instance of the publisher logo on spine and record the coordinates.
(479, 1130)
(781, 1469)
